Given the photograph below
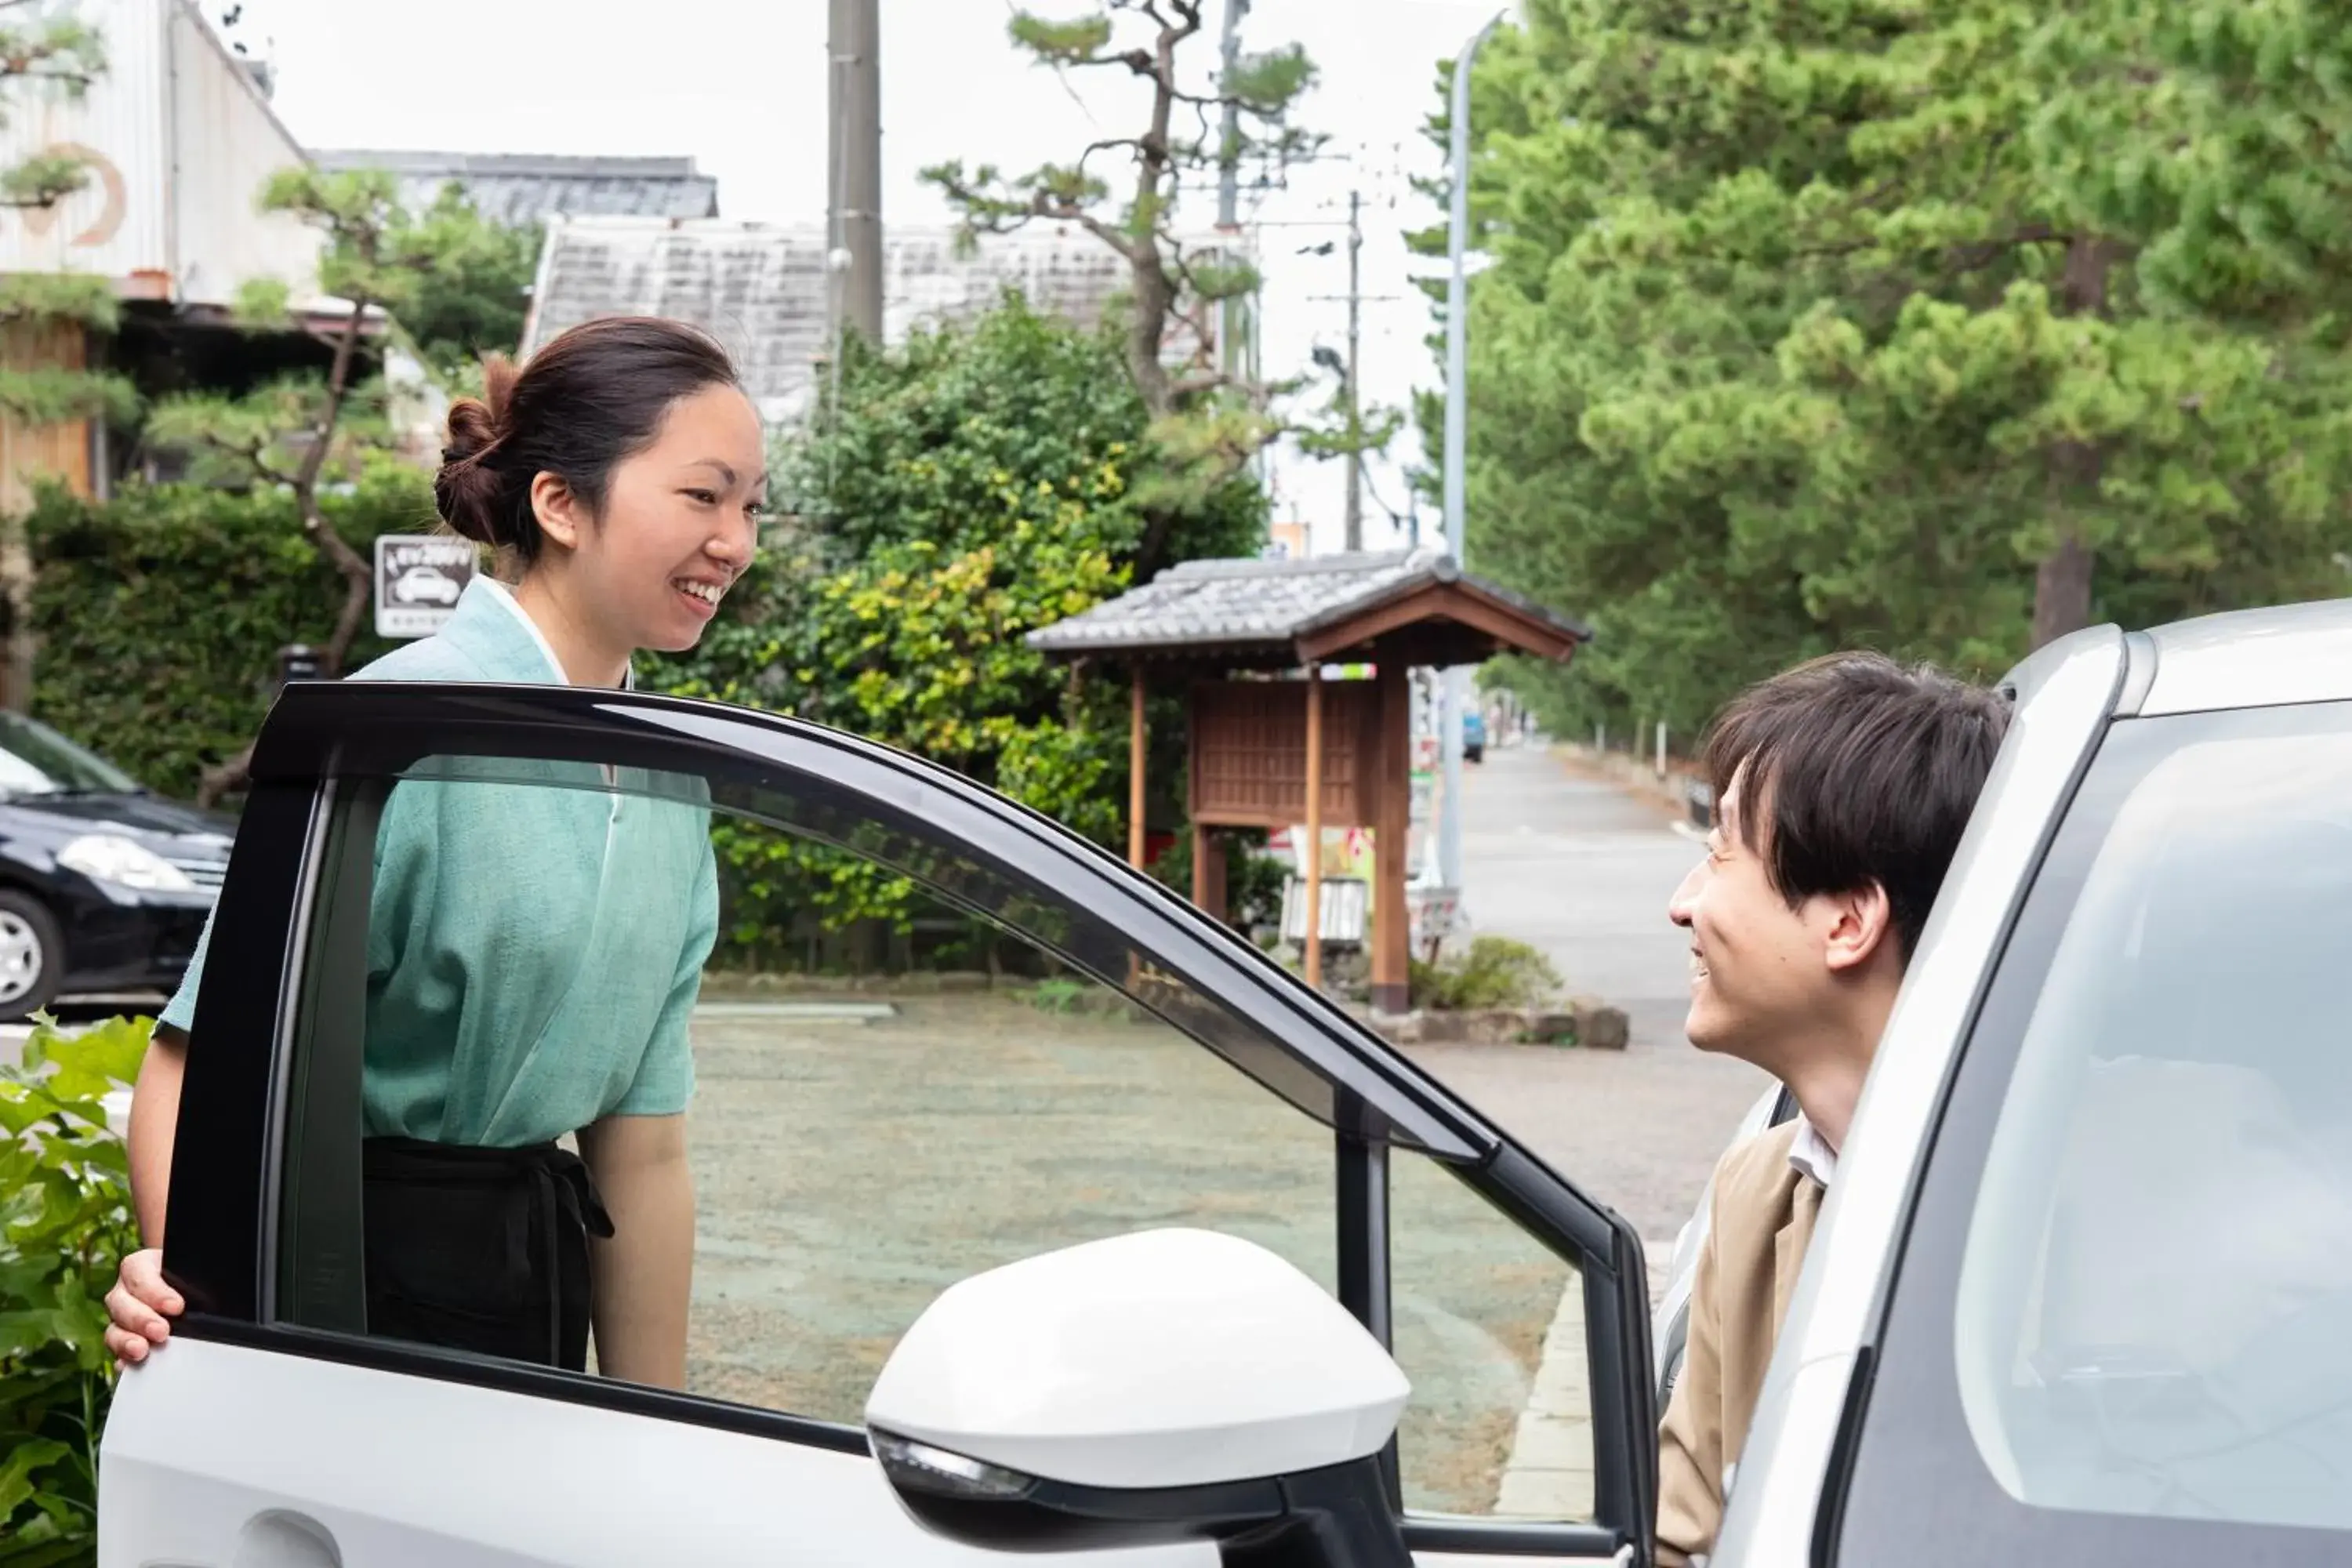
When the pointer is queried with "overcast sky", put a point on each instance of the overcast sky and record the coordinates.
(739, 85)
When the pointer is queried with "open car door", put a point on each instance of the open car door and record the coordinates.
(1131, 1063)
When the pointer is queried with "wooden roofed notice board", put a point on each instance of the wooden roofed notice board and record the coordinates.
(1248, 764)
(1275, 745)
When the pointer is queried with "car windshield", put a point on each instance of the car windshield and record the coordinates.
(37, 760)
(2158, 1271)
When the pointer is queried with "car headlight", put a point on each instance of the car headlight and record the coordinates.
(103, 858)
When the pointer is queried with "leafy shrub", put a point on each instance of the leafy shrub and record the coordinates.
(1495, 972)
(65, 1221)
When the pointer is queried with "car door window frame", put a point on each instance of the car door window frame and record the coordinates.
(1914, 1483)
(329, 751)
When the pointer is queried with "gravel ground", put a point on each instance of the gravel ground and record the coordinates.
(846, 1175)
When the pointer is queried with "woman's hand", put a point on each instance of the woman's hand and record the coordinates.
(140, 1303)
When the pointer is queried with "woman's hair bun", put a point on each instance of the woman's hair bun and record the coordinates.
(470, 490)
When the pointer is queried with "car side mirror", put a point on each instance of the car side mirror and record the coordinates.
(1163, 1386)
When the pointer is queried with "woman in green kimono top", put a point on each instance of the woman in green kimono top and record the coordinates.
(535, 943)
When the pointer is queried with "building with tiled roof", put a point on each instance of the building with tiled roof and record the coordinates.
(520, 189)
(763, 288)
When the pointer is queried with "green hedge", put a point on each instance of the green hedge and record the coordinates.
(161, 613)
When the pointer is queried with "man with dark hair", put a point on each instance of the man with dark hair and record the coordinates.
(1842, 789)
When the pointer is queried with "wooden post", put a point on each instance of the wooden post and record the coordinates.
(1391, 774)
(1208, 871)
(1313, 846)
(1135, 766)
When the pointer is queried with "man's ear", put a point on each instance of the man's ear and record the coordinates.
(1862, 926)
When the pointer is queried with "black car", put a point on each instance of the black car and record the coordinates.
(103, 885)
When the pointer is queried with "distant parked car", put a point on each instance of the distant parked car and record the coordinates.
(103, 885)
(1473, 736)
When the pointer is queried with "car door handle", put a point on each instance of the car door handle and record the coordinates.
(282, 1538)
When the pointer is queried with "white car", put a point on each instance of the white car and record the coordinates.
(2078, 1297)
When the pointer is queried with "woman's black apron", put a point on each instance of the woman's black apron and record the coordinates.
(481, 1249)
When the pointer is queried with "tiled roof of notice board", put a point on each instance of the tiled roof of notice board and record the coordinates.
(1259, 604)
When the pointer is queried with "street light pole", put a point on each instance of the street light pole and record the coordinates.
(1455, 686)
(1229, 211)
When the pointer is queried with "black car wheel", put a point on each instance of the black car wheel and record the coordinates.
(31, 956)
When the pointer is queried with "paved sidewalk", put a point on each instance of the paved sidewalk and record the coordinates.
(1550, 1474)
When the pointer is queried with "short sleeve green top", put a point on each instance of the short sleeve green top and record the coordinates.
(534, 948)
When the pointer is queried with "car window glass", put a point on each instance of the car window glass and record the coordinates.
(882, 1091)
(1489, 1327)
(2158, 1266)
(37, 760)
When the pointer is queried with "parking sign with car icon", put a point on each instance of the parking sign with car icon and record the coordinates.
(418, 579)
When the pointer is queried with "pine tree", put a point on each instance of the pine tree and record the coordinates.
(1208, 420)
(1849, 321)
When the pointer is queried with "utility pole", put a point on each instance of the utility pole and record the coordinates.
(854, 169)
(1349, 369)
(1355, 514)
(1229, 213)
